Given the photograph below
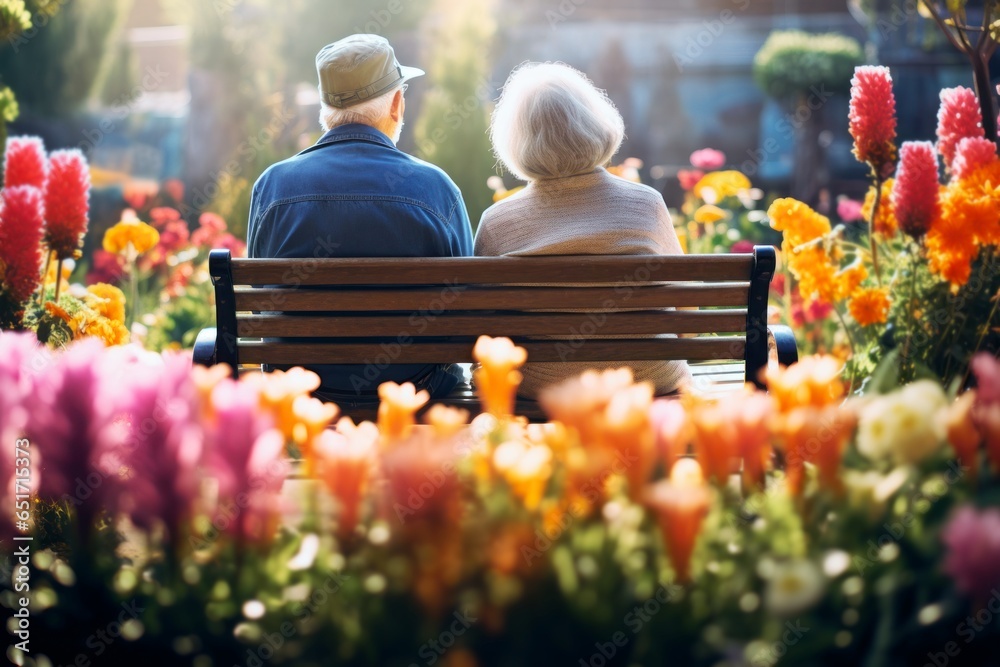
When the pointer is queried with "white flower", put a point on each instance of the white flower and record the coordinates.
(904, 426)
(794, 587)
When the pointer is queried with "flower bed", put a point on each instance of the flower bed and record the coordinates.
(167, 529)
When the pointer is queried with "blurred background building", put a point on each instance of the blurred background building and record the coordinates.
(210, 92)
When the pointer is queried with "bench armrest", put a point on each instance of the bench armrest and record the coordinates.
(781, 345)
(205, 347)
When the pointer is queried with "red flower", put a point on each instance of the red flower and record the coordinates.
(742, 246)
(689, 178)
(174, 235)
(107, 267)
(873, 117)
(66, 202)
(25, 162)
(958, 118)
(915, 194)
(971, 154)
(21, 230)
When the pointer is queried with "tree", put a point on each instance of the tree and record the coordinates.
(452, 130)
(801, 70)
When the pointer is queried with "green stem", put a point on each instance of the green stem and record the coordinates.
(45, 274)
(909, 309)
(58, 279)
(871, 225)
(133, 286)
(854, 347)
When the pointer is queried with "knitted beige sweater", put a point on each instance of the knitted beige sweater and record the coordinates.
(588, 214)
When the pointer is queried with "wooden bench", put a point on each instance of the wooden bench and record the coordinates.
(376, 311)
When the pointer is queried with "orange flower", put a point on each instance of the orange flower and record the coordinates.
(344, 462)
(963, 435)
(497, 377)
(817, 436)
(680, 504)
(848, 280)
(278, 391)
(398, 408)
(131, 232)
(715, 441)
(814, 381)
(629, 434)
(870, 306)
(311, 416)
(672, 428)
(446, 420)
(421, 471)
(886, 223)
(709, 213)
(526, 467)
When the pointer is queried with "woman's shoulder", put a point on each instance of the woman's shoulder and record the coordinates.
(638, 192)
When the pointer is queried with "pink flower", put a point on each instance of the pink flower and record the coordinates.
(672, 428)
(873, 117)
(849, 210)
(161, 216)
(986, 411)
(708, 159)
(915, 194)
(971, 154)
(742, 246)
(106, 267)
(25, 163)
(66, 202)
(231, 243)
(22, 360)
(174, 189)
(21, 230)
(689, 178)
(73, 423)
(163, 448)
(972, 543)
(245, 454)
(174, 235)
(959, 117)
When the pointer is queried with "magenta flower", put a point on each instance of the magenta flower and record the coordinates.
(708, 159)
(915, 194)
(25, 163)
(21, 229)
(972, 543)
(971, 154)
(163, 448)
(873, 117)
(850, 210)
(73, 424)
(742, 246)
(67, 202)
(245, 455)
(987, 371)
(959, 117)
(22, 359)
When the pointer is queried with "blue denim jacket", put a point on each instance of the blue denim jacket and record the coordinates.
(354, 194)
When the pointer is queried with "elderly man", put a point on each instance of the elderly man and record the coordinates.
(354, 194)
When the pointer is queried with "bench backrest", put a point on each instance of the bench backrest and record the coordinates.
(431, 310)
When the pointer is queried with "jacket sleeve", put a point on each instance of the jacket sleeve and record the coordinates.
(253, 226)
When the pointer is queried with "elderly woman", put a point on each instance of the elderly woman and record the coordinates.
(554, 129)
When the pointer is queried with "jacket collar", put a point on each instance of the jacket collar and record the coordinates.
(352, 132)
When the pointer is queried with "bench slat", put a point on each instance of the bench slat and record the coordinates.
(435, 300)
(487, 270)
(509, 324)
(352, 352)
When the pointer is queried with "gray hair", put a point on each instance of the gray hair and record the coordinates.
(551, 121)
(370, 112)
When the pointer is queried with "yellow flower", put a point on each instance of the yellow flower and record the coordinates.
(140, 235)
(813, 382)
(89, 322)
(107, 300)
(709, 213)
(278, 391)
(870, 306)
(718, 185)
(497, 377)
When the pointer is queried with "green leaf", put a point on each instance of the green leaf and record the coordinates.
(885, 378)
